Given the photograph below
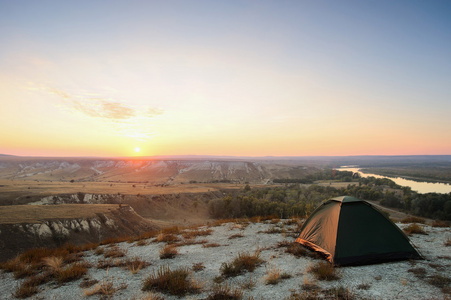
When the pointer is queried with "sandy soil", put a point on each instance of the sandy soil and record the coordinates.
(383, 281)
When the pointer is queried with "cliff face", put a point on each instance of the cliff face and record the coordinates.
(123, 221)
(150, 171)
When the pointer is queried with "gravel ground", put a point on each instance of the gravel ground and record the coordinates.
(383, 281)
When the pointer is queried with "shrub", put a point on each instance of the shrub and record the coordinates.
(324, 271)
(174, 282)
(169, 251)
(222, 292)
(244, 262)
(414, 229)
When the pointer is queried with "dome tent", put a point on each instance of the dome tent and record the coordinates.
(349, 231)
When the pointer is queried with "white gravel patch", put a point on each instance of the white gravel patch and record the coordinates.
(384, 281)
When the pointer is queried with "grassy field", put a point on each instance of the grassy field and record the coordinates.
(62, 187)
(36, 213)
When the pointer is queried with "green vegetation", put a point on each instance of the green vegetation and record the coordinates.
(294, 199)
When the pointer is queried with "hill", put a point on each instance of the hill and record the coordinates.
(275, 268)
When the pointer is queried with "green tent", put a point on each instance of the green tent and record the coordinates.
(349, 231)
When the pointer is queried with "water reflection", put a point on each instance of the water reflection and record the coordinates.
(420, 187)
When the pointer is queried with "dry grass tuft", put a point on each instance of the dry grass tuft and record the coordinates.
(135, 264)
(414, 229)
(413, 219)
(72, 272)
(115, 240)
(248, 284)
(418, 272)
(190, 242)
(210, 245)
(141, 243)
(235, 236)
(174, 282)
(197, 267)
(438, 223)
(298, 250)
(151, 296)
(167, 238)
(274, 230)
(108, 263)
(53, 263)
(106, 288)
(244, 262)
(114, 252)
(169, 251)
(324, 271)
(222, 292)
(339, 293)
(364, 286)
(25, 290)
(441, 282)
(195, 233)
(86, 283)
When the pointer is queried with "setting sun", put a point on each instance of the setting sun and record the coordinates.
(137, 149)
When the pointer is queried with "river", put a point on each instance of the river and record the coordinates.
(420, 187)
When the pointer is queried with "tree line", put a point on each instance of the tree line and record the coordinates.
(294, 199)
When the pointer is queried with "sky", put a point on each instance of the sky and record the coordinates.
(235, 78)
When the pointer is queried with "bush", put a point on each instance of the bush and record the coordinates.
(173, 282)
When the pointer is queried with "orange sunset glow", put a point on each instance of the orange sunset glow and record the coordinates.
(231, 78)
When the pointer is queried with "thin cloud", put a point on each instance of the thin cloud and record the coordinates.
(126, 121)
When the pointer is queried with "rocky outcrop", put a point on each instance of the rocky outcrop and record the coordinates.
(16, 238)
